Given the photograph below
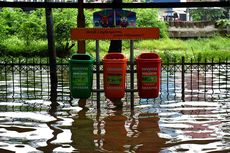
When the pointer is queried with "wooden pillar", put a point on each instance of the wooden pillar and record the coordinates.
(81, 43)
(52, 55)
(115, 45)
(81, 24)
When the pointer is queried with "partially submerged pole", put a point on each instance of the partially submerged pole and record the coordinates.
(52, 55)
(81, 43)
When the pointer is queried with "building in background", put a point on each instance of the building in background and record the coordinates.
(171, 14)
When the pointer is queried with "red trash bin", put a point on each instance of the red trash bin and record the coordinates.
(114, 71)
(148, 75)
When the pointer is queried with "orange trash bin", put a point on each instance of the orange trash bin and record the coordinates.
(148, 75)
(114, 71)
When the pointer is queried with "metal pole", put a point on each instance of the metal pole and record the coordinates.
(132, 73)
(52, 55)
(98, 73)
(182, 80)
(205, 80)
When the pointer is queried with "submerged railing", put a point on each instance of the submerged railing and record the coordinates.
(23, 79)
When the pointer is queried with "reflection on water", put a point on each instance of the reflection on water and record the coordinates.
(115, 136)
(169, 127)
(148, 139)
(82, 132)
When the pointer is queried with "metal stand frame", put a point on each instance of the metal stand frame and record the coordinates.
(98, 63)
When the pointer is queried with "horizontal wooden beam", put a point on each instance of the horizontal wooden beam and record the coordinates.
(113, 5)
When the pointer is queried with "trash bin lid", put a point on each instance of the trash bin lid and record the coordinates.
(84, 58)
(81, 57)
(114, 56)
(149, 56)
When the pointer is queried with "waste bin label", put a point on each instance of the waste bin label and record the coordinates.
(80, 79)
(149, 76)
(149, 79)
(114, 70)
(114, 79)
(79, 68)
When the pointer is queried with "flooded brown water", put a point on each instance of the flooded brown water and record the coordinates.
(167, 127)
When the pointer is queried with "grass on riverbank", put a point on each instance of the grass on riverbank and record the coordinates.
(16, 47)
(197, 49)
(217, 48)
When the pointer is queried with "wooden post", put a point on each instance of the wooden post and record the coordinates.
(132, 73)
(115, 45)
(81, 43)
(52, 55)
(81, 24)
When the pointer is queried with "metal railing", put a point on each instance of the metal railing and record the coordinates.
(28, 79)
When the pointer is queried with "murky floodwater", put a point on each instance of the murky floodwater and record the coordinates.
(199, 124)
(167, 127)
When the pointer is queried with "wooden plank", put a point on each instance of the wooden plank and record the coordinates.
(114, 33)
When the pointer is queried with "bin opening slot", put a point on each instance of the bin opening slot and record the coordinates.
(149, 56)
(114, 56)
(81, 57)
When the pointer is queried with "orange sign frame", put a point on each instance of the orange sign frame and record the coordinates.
(114, 33)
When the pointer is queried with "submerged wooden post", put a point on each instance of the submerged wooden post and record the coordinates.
(98, 73)
(81, 43)
(132, 73)
(52, 55)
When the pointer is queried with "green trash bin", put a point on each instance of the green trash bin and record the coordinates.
(81, 75)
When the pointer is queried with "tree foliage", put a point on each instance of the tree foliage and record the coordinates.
(30, 31)
(30, 26)
(149, 18)
(207, 14)
(64, 20)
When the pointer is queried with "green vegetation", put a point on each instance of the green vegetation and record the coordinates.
(207, 14)
(24, 34)
(223, 23)
(216, 48)
(149, 18)
(196, 49)
(14, 46)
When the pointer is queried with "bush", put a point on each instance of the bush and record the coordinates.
(30, 31)
(64, 20)
(62, 32)
(12, 20)
(3, 29)
(149, 18)
(223, 23)
(3, 50)
(13, 46)
(206, 14)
